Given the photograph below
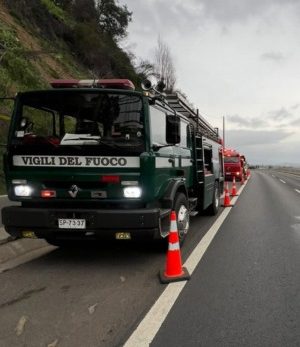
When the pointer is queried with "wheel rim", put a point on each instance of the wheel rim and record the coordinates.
(183, 220)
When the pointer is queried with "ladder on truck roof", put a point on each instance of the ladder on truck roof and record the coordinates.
(181, 105)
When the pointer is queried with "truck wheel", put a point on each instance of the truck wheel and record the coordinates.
(182, 215)
(214, 207)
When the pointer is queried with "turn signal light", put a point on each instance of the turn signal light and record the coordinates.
(48, 193)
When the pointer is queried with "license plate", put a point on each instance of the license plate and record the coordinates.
(71, 223)
(123, 236)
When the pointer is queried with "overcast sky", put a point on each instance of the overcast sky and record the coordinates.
(234, 58)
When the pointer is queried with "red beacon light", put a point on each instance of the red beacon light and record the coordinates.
(64, 83)
(97, 83)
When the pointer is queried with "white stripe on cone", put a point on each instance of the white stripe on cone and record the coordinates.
(174, 246)
(173, 226)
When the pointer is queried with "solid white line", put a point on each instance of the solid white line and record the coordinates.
(3, 196)
(149, 326)
(282, 181)
(297, 190)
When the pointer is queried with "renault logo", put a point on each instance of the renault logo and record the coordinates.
(73, 191)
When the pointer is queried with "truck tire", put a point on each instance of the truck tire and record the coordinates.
(214, 207)
(182, 215)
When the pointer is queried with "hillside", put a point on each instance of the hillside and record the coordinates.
(41, 40)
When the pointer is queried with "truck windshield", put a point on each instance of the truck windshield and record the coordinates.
(231, 160)
(80, 118)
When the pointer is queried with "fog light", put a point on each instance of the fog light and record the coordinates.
(22, 190)
(29, 234)
(132, 192)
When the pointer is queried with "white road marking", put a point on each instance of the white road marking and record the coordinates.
(3, 196)
(282, 181)
(290, 174)
(149, 326)
(297, 190)
(273, 176)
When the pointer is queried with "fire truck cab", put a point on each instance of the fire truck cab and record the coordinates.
(235, 165)
(91, 159)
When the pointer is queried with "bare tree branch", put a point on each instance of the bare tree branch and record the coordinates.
(164, 67)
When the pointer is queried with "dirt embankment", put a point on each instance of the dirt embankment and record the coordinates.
(44, 61)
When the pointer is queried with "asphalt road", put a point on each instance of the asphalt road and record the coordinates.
(3, 202)
(93, 296)
(291, 179)
(246, 290)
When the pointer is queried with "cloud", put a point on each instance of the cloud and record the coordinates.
(236, 138)
(233, 57)
(281, 114)
(264, 147)
(295, 107)
(295, 123)
(282, 117)
(246, 122)
(178, 15)
(273, 56)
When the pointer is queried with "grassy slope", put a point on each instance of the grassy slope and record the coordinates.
(27, 62)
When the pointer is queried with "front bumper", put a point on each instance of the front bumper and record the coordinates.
(99, 223)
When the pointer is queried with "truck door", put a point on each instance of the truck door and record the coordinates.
(166, 163)
(182, 152)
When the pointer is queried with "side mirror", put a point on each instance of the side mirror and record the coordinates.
(26, 125)
(172, 129)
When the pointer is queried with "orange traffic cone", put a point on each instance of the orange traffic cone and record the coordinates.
(226, 202)
(174, 271)
(233, 191)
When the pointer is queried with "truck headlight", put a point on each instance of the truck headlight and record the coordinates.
(22, 190)
(132, 192)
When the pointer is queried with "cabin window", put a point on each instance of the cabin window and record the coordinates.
(158, 126)
(208, 161)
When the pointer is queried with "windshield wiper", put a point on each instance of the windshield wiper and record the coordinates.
(157, 147)
(82, 139)
(98, 140)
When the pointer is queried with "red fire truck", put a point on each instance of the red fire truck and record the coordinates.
(235, 165)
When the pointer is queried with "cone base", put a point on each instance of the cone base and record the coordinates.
(230, 205)
(184, 276)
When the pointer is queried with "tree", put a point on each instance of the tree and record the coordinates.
(64, 4)
(85, 11)
(145, 69)
(164, 67)
(113, 19)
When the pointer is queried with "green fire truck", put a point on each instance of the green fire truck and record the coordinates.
(95, 159)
